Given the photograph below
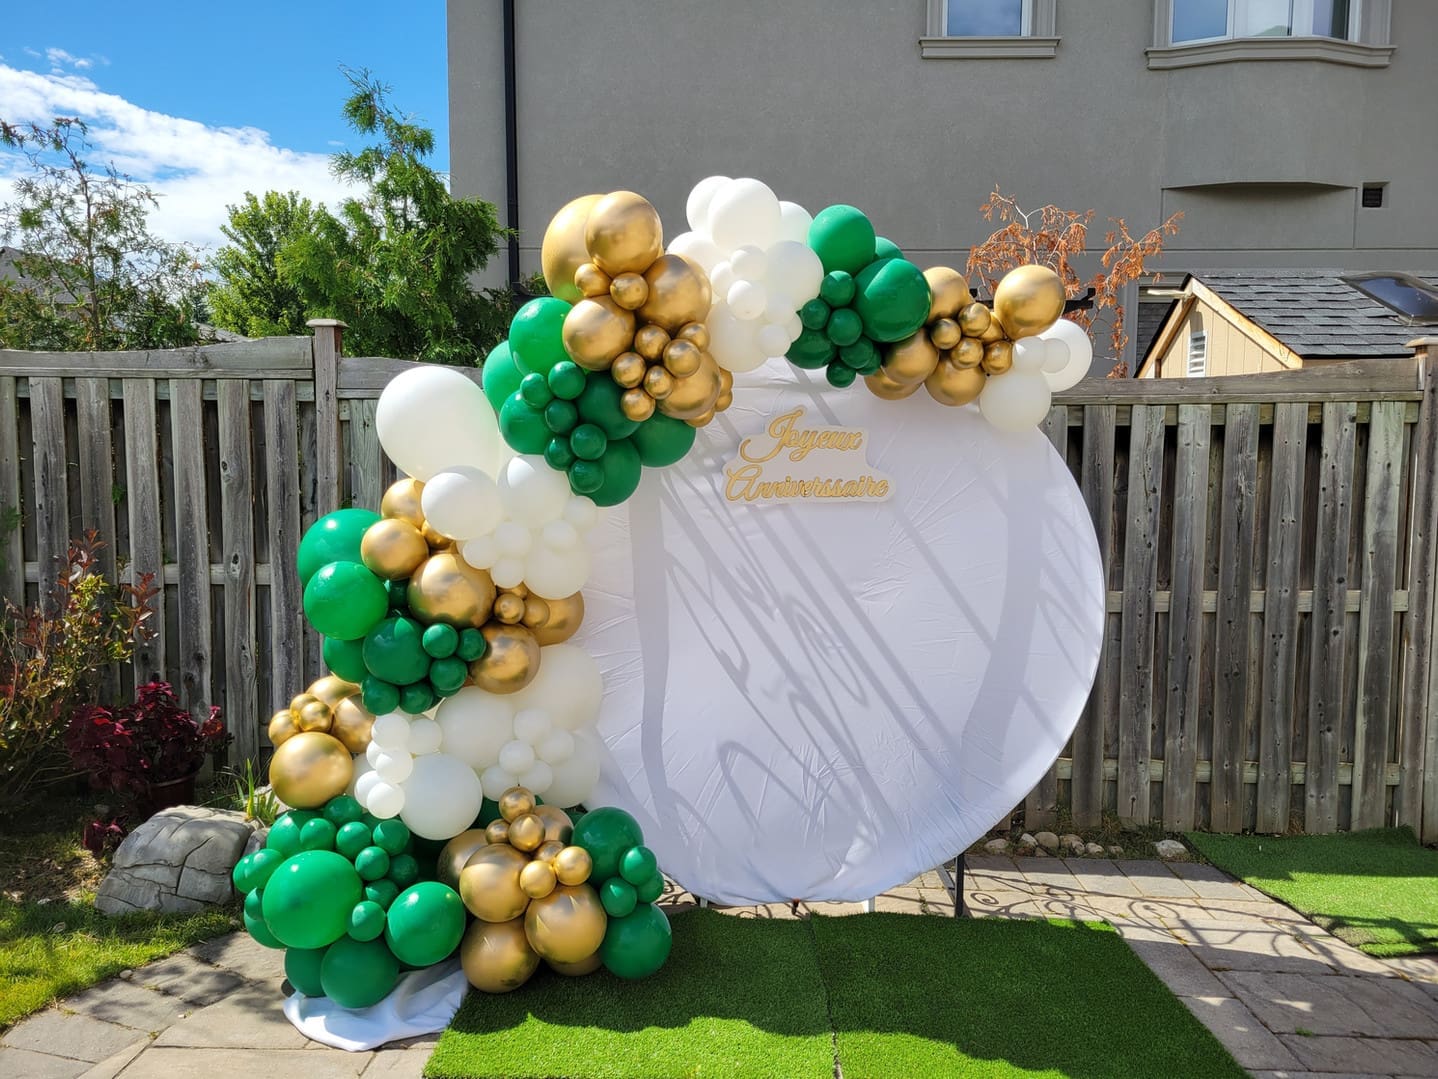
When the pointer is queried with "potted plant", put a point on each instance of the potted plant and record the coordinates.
(151, 750)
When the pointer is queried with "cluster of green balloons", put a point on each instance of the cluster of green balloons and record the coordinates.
(548, 405)
(871, 295)
(404, 664)
(626, 875)
(342, 598)
(339, 890)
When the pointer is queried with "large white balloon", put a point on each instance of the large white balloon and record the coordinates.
(743, 211)
(733, 342)
(431, 418)
(532, 492)
(794, 222)
(1016, 400)
(461, 502)
(696, 208)
(697, 248)
(552, 573)
(1080, 354)
(475, 725)
(442, 797)
(794, 270)
(574, 778)
(568, 686)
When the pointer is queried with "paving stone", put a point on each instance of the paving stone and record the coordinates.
(1240, 1032)
(1267, 909)
(1387, 1056)
(189, 979)
(1176, 966)
(1399, 1009)
(1317, 1075)
(1154, 878)
(397, 1064)
(160, 1062)
(32, 1065)
(114, 1064)
(128, 1005)
(1261, 948)
(1346, 958)
(61, 1033)
(1290, 1003)
(1423, 968)
(995, 902)
(893, 903)
(249, 1018)
(244, 955)
(1101, 878)
(1209, 882)
(1052, 878)
(985, 863)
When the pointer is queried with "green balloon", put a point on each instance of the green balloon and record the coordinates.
(662, 440)
(440, 640)
(606, 833)
(586, 477)
(558, 454)
(535, 390)
(366, 920)
(567, 380)
(447, 675)
(893, 299)
(588, 442)
(302, 968)
(335, 537)
(618, 897)
(536, 334)
(500, 375)
(380, 697)
(561, 416)
(837, 288)
(638, 865)
(358, 973)
(636, 945)
(254, 904)
(845, 327)
(353, 838)
(308, 900)
(342, 809)
(840, 375)
(650, 890)
(398, 592)
(345, 600)
(391, 836)
(522, 425)
(815, 314)
(861, 355)
(843, 238)
(403, 870)
(382, 892)
(811, 350)
(260, 931)
(622, 471)
(599, 404)
(425, 923)
(416, 698)
(472, 645)
(255, 869)
(344, 658)
(885, 248)
(372, 863)
(318, 834)
(284, 836)
(394, 651)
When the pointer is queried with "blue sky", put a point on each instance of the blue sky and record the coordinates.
(205, 101)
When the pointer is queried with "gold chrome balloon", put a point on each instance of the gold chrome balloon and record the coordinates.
(695, 332)
(579, 969)
(299, 700)
(536, 612)
(515, 803)
(496, 956)
(911, 360)
(995, 332)
(489, 883)
(456, 853)
(682, 357)
(331, 689)
(309, 769)
(623, 233)
(596, 332)
(446, 588)
(557, 825)
(563, 251)
(881, 385)
(629, 291)
(658, 383)
(538, 879)
(650, 342)
(567, 925)
(950, 292)
(497, 832)
(282, 727)
(548, 850)
(954, 385)
(974, 320)
(565, 615)
(998, 357)
(591, 281)
(352, 724)
(508, 608)
(944, 333)
(392, 548)
(401, 500)
(636, 405)
(704, 419)
(968, 353)
(435, 539)
(315, 716)
(526, 832)
(696, 394)
(509, 663)
(1029, 300)
(573, 865)
(679, 293)
(628, 369)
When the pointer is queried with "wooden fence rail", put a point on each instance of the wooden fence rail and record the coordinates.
(1268, 543)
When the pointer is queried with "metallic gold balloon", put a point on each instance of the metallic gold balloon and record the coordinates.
(696, 394)
(515, 803)
(352, 724)
(950, 292)
(629, 291)
(573, 865)
(497, 832)
(658, 383)
(881, 385)
(563, 251)
(579, 969)
(679, 293)
(548, 850)
(1029, 300)
(650, 341)
(496, 956)
(726, 381)
(623, 233)
(704, 419)
(526, 832)
(392, 548)
(974, 319)
(565, 616)
(299, 700)
(456, 853)
(489, 883)
(538, 879)
(911, 360)
(315, 716)
(968, 353)
(446, 588)
(682, 357)
(954, 385)
(628, 369)
(567, 925)
(944, 333)
(508, 608)
(401, 500)
(695, 332)
(282, 727)
(592, 281)
(596, 332)
(331, 689)
(998, 357)
(536, 612)
(725, 400)
(995, 332)
(557, 825)
(509, 663)
(309, 769)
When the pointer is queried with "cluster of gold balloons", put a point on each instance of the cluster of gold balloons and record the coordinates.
(315, 739)
(638, 313)
(963, 343)
(529, 892)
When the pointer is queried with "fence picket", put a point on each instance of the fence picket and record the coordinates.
(282, 482)
(142, 495)
(52, 528)
(12, 544)
(237, 530)
(192, 542)
(1096, 474)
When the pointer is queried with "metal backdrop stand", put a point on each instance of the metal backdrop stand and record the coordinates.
(954, 882)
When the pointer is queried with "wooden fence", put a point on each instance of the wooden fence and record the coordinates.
(1269, 545)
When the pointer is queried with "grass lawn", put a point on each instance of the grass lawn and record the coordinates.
(894, 995)
(1378, 890)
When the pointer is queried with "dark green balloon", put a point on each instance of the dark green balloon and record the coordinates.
(342, 809)
(379, 697)
(845, 327)
(394, 651)
(636, 945)
(840, 375)
(535, 390)
(417, 697)
(618, 897)
(638, 865)
(302, 968)
(662, 440)
(398, 592)
(811, 350)
(345, 600)
(843, 238)
(254, 904)
(260, 931)
(885, 248)
(446, 676)
(425, 923)
(372, 863)
(358, 973)
(439, 640)
(862, 354)
(837, 288)
(308, 901)
(606, 833)
(893, 299)
(335, 537)
(392, 836)
(472, 645)
(353, 838)
(586, 477)
(366, 920)
(500, 375)
(255, 869)
(536, 334)
(318, 834)
(558, 454)
(599, 404)
(403, 870)
(622, 471)
(381, 892)
(344, 658)
(284, 836)
(815, 314)
(522, 425)
(567, 380)
(588, 441)
(561, 416)
(650, 890)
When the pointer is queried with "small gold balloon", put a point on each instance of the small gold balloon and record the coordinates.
(496, 956)
(537, 879)
(315, 716)
(658, 383)
(352, 724)
(579, 969)
(694, 395)
(974, 320)
(456, 853)
(557, 825)
(392, 548)
(629, 291)
(489, 882)
(636, 405)
(596, 332)
(695, 332)
(998, 357)
(623, 233)
(331, 689)
(521, 590)
(726, 380)
(508, 608)
(563, 251)
(628, 369)
(950, 293)
(944, 333)
(309, 769)
(682, 357)
(725, 400)
(446, 588)
(548, 850)
(433, 538)
(282, 727)
(401, 501)
(911, 360)
(526, 832)
(509, 663)
(567, 925)
(954, 385)
(650, 341)
(497, 831)
(1029, 300)
(565, 616)
(881, 385)
(299, 700)
(515, 802)
(536, 612)
(968, 353)
(995, 332)
(573, 865)
(591, 281)
(679, 293)
(704, 419)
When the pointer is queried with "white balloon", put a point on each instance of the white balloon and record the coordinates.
(507, 572)
(442, 797)
(556, 748)
(568, 686)
(778, 307)
(1016, 400)
(746, 299)
(538, 778)
(794, 222)
(732, 342)
(425, 736)
(696, 207)
(390, 731)
(559, 535)
(432, 418)
(795, 271)
(1080, 354)
(475, 725)
(1056, 354)
(721, 278)
(698, 249)
(749, 263)
(516, 756)
(554, 574)
(496, 780)
(794, 327)
(532, 725)
(574, 778)
(385, 800)
(744, 211)
(461, 503)
(1029, 354)
(532, 492)
(581, 512)
(773, 340)
(481, 552)
(394, 767)
(373, 752)
(513, 539)
(364, 782)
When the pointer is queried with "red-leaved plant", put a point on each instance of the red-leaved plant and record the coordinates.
(135, 746)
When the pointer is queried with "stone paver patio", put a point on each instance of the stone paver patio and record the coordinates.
(1286, 998)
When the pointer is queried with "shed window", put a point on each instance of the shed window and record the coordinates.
(1197, 354)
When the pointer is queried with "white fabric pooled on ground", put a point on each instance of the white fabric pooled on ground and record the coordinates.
(422, 1002)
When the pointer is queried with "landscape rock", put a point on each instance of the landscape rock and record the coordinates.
(1115, 851)
(997, 846)
(1071, 842)
(1048, 841)
(257, 839)
(1093, 850)
(1027, 842)
(1170, 848)
(178, 860)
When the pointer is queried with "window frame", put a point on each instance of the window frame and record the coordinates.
(1200, 336)
(1302, 14)
(1038, 40)
(1368, 43)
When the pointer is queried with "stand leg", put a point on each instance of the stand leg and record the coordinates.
(960, 870)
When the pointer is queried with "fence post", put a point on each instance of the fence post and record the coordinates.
(328, 345)
(1417, 798)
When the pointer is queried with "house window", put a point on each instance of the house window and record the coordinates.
(1187, 33)
(990, 29)
(1214, 20)
(1197, 354)
(987, 18)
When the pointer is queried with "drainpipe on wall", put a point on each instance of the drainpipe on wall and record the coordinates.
(511, 144)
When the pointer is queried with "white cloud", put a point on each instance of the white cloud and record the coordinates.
(195, 169)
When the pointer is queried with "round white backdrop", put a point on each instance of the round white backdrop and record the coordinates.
(822, 699)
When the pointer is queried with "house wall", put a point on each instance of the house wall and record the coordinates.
(1232, 349)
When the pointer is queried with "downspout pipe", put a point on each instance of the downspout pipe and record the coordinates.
(511, 143)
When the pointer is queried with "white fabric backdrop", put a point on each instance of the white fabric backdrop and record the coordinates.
(820, 701)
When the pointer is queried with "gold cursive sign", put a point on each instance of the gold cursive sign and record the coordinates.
(790, 462)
